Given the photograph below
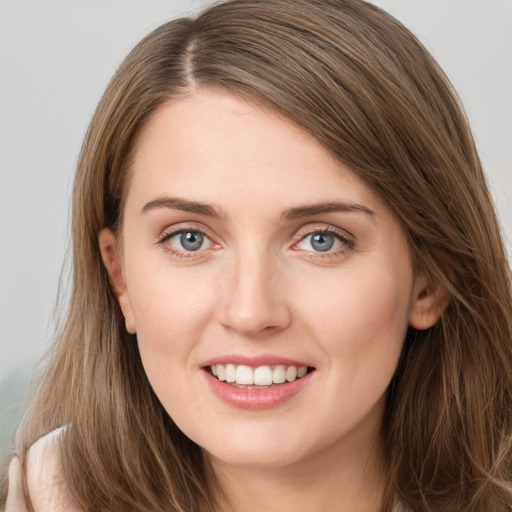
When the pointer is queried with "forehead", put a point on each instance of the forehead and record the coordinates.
(215, 147)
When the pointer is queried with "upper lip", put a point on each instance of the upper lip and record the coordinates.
(254, 361)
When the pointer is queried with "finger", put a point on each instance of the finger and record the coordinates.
(15, 495)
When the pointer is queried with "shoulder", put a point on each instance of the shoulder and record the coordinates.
(46, 481)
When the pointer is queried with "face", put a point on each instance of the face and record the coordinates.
(269, 288)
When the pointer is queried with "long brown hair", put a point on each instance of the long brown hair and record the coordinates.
(362, 85)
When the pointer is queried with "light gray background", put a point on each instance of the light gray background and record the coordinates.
(56, 57)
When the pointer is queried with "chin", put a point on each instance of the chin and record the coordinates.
(253, 458)
(256, 452)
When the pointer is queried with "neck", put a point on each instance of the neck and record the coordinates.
(342, 477)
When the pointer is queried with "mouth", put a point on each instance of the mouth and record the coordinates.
(259, 377)
(257, 383)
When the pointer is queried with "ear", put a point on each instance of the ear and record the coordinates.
(113, 265)
(429, 300)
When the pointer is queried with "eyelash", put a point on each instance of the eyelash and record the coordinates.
(345, 238)
(163, 241)
(347, 241)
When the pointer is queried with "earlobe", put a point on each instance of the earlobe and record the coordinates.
(112, 264)
(428, 303)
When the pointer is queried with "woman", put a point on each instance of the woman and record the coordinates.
(290, 290)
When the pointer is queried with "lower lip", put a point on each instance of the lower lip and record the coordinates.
(256, 399)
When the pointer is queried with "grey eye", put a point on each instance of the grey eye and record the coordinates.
(191, 240)
(322, 242)
(187, 241)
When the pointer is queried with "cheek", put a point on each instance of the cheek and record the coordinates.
(362, 319)
(360, 326)
(170, 315)
(170, 311)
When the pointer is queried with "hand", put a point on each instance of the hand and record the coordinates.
(46, 483)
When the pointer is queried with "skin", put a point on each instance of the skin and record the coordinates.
(45, 481)
(259, 286)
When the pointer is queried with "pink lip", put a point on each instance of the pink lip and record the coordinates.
(256, 399)
(253, 361)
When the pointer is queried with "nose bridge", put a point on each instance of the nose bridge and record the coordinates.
(253, 299)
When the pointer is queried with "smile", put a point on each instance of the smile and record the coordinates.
(260, 377)
(253, 385)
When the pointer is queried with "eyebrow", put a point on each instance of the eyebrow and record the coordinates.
(297, 212)
(185, 205)
(329, 207)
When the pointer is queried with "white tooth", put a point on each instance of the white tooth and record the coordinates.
(302, 371)
(279, 374)
(214, 369)
(221, 372)
(263, 376)
(244, 375)
(230, 373)
(291, 373)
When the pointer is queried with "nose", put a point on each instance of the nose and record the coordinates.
(254, 301)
